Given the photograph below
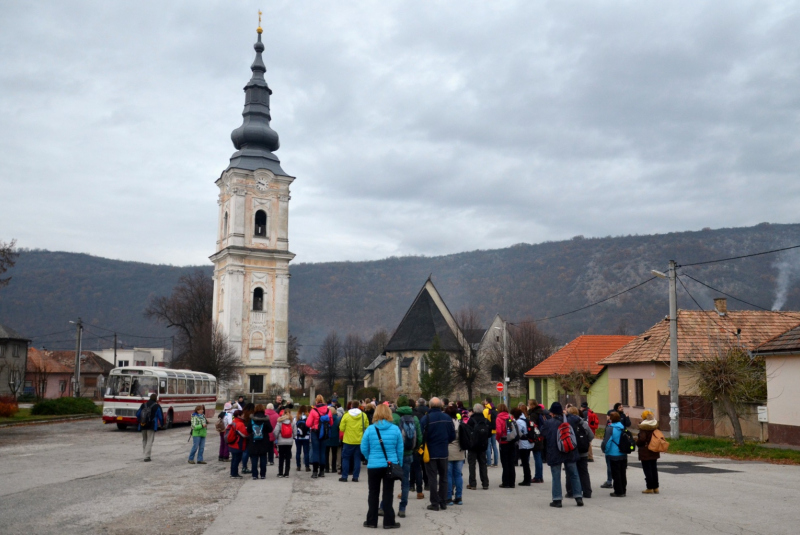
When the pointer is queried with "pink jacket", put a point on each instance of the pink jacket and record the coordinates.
(314, 414)
(502, 422)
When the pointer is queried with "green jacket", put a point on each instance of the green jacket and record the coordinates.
(197, 425)
(406, 411)
(352, 426)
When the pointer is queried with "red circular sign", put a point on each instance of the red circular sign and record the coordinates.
(499, 387)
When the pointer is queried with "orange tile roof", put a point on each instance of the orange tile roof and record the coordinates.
(702, 332)
(583, 353)
(64, 361)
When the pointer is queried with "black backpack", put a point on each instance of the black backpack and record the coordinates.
(481, 433)
(582, 437)
(626, 443)
(464, 436)
(146, 414)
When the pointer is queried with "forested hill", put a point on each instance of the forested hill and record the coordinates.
(520, 282)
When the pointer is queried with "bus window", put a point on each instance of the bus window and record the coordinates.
(213, 387)
(173, 386)
(162, 386)
(117, 384)
(125, 385)
(181, 386)
(205, 387)
(147, 386)
(190, 386)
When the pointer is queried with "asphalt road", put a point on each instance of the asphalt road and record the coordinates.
(83, 477)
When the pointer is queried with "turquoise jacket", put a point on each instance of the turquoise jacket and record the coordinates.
(610, 443)
(392, 441)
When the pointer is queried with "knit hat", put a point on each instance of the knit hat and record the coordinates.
(556, 408)
(585, 405)
(648, 415)
(402, 401)
(228, 406)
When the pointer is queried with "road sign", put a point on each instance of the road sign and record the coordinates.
(499, 387)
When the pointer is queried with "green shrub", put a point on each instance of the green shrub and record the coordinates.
(66, 406)
(368, 392)
(26, 398)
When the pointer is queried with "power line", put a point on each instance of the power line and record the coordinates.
(131, 335)
(701, 308)
(586, 306)
(738, 299)
(739, 257)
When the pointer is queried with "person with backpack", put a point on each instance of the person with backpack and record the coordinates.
(456, 451)
(490, 414)
(351, 431)
(616, 449)
(535, 436)
(437, 433)
(562, 449)
(648, 428)
(594, 422)
(332, 444)
(481, 430)
(221, 425)
(524, 445)
(382, 445)
(507, 434)
(302, 438)
(410, 430)
(199, 430)
(420, 410)
(583, 437)
(149, 417)
(247, 412)
(285, 431)
(236, 435)
(258, 427)
(272, 414)
(320, 421)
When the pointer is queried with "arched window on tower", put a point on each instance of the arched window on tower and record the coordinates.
(261, 224)
(258, 299)
(225, 226)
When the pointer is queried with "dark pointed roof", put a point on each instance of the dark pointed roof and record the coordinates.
(421, 324)
(255, 140)
(10, 334)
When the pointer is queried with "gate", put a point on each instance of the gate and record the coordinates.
(696, 415)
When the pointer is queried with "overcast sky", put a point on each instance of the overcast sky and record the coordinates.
(413, 127)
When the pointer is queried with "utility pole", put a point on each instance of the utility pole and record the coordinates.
(674, 424)
(115, 350)
(76, 392)
(505, 362)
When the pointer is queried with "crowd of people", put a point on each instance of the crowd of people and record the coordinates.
(424, 445)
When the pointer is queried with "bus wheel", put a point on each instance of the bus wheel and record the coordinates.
(168, 422)
(122, 427)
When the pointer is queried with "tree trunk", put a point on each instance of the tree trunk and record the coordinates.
(730, 410)
(469, 394)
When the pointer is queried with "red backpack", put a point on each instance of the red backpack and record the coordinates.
(286, 429)
(566, 438)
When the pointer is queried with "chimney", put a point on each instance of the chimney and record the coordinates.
(721, 305)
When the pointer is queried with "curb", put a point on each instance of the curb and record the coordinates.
(51, 421)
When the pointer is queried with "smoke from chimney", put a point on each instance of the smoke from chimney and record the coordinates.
(788, 267)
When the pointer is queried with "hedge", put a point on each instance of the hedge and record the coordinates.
(66, 406)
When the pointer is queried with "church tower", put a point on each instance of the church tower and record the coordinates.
(251, 265)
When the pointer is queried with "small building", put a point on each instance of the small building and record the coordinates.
(49, 374)
(579, 359)
(638, 373)
(782, 357)
(137, 356)
(13, 359)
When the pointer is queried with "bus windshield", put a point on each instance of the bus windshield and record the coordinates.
(144, 386)
(136, 386)
(118, 385)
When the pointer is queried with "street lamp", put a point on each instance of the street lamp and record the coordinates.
(77, 379)
(505, 361)
(674, 424)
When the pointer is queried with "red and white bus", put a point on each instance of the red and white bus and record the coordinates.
(179, 392)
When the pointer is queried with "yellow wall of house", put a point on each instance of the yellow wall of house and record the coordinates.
(597, 397)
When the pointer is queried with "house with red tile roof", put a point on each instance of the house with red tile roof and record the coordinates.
(782, 357)
(638, 373)
(49, 373)
(581, 355)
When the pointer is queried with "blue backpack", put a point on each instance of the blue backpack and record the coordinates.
(324, 425)
(258, 431)
(409, 432)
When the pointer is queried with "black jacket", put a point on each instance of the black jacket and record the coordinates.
(550, 432)
(474, 420)
(623, 418)
(259, 447)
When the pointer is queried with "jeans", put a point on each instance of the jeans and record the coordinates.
(650, 469)
(437, 480)
(609, 476)
(245, 458)
(480, 458)
(454, 479)
(416, 481)
(525, 459)
(262, 459)
(198, 445)
(583, 474)
(236, 458)
(351, 458)
(302, 446)
(271, 452)
(507, 458)
(618, 468)
(377, 477)
(224, 451)
(572, 475)
(537, 466)
(407, 462)
(492, 448)
(284, 459)
(317, 451)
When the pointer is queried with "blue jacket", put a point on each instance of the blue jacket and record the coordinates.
(158, 417)
(392, 441)
(437, 432)
(555, 456)
(610, 443)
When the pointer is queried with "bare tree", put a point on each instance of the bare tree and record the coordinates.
(39, 371)
(527, 347)
(376, 344)
(577, 383)
(329, 360)
(16, 378)
(731, 378)
(211, 353)
(468, 366)
(292, 358)
(187, 309)
(354, 355)
(8, 257)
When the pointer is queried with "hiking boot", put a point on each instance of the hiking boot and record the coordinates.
(400, 496)
(237, 477)
(147, 460)
(343, 479)
(308, 468)
(355, 480)
(191, 462)
(458, 501)
(579, 501)
(393, 526)
(443, 507)
(201, 462)
(556, 503)
(648, 491)
(432, 507)
(615, 495)
(314, 474)
(321, 473)
(370, 525)
(606, 485)
(655, 491)
(420, 496)
(537, 480)
(470, 487)
(245, 471)
(450, 502)
(523, 484)
(401, 513)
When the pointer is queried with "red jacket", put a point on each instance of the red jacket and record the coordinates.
(500, 426)
(314, 414)
(239, 428)
(593, 420)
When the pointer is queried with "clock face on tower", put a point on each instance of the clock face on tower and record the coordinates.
(261, 184)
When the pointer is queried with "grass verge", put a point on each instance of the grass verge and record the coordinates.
(24, 415)
(721, 447)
